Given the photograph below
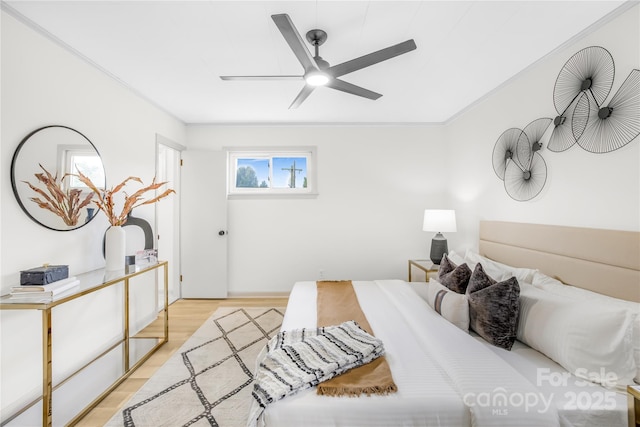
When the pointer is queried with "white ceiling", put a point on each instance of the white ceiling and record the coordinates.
(173, 52)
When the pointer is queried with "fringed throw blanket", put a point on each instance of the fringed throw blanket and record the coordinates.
(299, 359)
(337, 302)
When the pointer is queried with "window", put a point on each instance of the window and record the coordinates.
(286, 171)
(74, 158)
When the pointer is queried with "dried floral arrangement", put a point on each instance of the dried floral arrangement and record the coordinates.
(64, 203)
(106, 203)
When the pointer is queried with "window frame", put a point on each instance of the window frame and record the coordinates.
(66, 154)
(236, 153)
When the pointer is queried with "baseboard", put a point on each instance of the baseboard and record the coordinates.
(258, 294)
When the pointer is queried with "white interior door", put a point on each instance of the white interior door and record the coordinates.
(168, 215)
(204, 224)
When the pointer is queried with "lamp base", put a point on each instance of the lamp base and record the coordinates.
(439, 247)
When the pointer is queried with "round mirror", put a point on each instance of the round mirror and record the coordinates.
(38, 179)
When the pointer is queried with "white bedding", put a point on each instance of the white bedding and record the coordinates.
(445, 377)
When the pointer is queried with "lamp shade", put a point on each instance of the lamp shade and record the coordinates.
(439, 220)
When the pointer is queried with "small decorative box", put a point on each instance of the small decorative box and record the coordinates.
(44, 275)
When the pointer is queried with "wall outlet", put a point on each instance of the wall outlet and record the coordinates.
(321, 274)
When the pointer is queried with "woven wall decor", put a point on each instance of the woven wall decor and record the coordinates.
(517, 162)
(583, 118)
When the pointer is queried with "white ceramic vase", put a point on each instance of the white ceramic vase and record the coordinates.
(114, 248)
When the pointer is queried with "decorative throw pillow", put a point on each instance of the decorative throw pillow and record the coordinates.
(456, 279)
(448, 304)
(455, 258)
(493, 308)
(446, 265)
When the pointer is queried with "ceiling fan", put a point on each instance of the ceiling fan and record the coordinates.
(317, 71)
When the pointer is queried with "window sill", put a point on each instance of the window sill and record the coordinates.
(254, 196)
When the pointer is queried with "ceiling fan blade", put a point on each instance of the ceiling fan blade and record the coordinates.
(304, 93)
(352, 89)
(372, 58)
(296, 43)
(261, 77)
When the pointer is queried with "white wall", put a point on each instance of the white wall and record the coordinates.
(374, 184)
(43, 84)
(582, 189)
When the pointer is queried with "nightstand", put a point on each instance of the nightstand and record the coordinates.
(424, 265)
(633, 392)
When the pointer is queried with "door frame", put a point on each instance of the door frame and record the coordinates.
(162, 140)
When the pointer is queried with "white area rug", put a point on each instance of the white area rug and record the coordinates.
(207, 382)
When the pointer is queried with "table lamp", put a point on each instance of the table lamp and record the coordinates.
(438, 221)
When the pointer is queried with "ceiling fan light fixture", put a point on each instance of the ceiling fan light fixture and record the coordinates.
(317, 71)
(316, 78)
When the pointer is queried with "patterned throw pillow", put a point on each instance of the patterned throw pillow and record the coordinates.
(456, 279)
(448, 304)
(493, 308)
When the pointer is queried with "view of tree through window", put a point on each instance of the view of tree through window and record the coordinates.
(88, 164)
(252, 173)
(273, 172)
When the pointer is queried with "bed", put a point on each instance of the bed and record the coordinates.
(449, 377)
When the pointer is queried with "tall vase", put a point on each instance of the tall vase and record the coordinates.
(115, 246)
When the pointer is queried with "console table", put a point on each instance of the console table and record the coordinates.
(90, 282)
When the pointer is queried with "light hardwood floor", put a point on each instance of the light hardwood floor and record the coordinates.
(185, 317)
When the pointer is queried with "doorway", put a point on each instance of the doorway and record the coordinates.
(168, 159)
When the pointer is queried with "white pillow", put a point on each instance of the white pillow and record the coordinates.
(497, 270)
(455, 258)
(591, 340)
(549, 284)
(451, 305)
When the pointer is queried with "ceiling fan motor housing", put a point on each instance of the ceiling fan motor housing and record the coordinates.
(316, 37)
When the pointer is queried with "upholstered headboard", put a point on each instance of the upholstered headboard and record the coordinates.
(603, 261)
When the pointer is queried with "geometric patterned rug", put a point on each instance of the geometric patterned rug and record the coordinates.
(207, 382)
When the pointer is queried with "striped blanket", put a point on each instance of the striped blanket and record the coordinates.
(300, 359)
